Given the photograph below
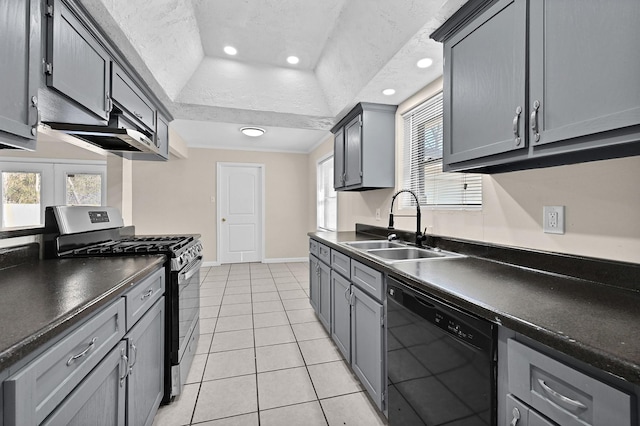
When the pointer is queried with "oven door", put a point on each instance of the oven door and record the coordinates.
(188, 303)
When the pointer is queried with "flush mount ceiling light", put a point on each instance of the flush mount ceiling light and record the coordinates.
(293, 60)
(425, 63)
(230, 50)
(254, 132)
(388, 92)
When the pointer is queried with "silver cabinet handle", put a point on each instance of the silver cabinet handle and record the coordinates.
(558, 396)
(137, 114)
(534, 121)
(83, 353)
(34, 103)
(345, 295)
(515, 416)
(148, 293)
(516, 126)
(134, 351)
(124, 366)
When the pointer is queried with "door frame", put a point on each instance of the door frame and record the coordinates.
(261, 169)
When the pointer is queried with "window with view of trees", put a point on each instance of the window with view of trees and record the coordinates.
(422, 163)
(28, 187)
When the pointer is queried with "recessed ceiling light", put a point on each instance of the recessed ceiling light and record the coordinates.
(293, 60)
(425, 63)
(388, 92)
(254, 132)
(230, 50)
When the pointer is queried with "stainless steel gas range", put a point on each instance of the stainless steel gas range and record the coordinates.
(82, 231)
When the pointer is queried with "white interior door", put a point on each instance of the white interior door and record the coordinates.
(240, 212)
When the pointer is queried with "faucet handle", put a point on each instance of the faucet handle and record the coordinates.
(392, 237)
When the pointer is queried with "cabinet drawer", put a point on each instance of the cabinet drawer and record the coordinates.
(313, 247)
(37, 389)
(129, 97)
(562, 393)
(143, 295)
(324, 253)
(368, 279)
(341, 263)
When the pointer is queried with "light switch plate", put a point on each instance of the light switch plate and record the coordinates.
(553, 219)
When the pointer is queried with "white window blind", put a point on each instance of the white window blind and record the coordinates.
(422, 163)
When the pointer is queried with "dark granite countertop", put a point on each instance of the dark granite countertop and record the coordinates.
(594, 322)
(42, 298)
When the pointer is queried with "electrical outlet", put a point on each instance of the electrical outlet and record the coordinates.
(553, 219)
(377, 214)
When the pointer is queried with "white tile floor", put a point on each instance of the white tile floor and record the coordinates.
(264, 358)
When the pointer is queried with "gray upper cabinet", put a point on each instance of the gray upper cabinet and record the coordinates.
(364, 148)
(485, 86)
(338, 159)
(78, 66)
(353, 152)
(20, 70)
(162, 135)
(581, 89)
(130, 100)
(585, 84)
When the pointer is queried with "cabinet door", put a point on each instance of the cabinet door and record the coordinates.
(338, 159)
(78, 66)
(353, 153)
(341, 314)
(367, 343)
(314, 283)
(484, 86)
(583, 70)
(146, 366)
(100, 398)
(128, 97)
(19, 68)
(325, 295)
(162, 135)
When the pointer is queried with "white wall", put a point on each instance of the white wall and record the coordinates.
(175, 197)
(601, 198)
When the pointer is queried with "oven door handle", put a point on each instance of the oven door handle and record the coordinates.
(190, 270)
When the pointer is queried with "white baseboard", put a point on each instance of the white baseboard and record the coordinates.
(276, 260)
(286, 260)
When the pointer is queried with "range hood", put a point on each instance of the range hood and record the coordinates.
(119, 136)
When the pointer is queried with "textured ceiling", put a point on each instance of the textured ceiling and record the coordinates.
(349, 52)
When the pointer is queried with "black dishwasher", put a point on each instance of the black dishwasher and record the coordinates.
(441, 362)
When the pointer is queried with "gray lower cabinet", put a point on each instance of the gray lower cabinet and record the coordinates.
(78, 66)
(100, 398)
(20, 70)
(367, 349)
(314, 282)
(145, 379)
(324, 310)
(497, 54)
(320, 290)
(341, 314)
(107, 371)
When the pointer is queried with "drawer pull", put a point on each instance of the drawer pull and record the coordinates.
(83, 353)
(133, 358)
(558, 396)
(148, 293)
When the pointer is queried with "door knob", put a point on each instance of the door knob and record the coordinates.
(224, 220)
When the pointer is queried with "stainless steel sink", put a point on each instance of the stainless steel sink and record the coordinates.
(407, 253)
(369, 245)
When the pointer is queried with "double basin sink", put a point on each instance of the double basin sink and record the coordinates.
(392, 252)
